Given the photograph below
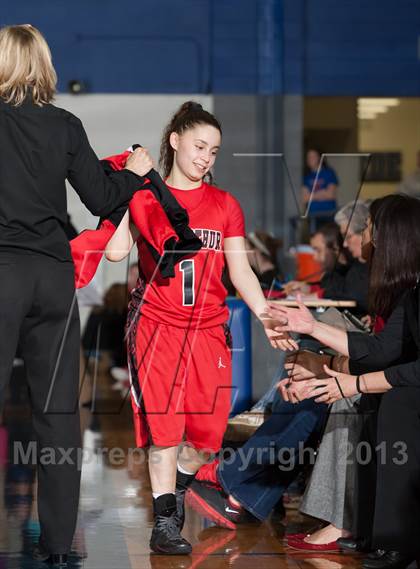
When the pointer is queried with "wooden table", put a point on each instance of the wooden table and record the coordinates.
(317, 303)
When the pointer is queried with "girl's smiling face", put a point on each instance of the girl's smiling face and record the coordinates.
(195, 150)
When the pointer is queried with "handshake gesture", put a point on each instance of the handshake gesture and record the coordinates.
(310, 375)
(280, 321)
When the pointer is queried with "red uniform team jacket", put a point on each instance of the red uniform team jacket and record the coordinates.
(158, 216)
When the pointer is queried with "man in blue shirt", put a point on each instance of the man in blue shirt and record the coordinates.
(321, 184)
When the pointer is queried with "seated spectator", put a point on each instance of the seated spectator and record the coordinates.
(351, 284)
(327, 244)
(262, 249)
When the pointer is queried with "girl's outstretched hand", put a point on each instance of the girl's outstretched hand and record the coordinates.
(280, 340)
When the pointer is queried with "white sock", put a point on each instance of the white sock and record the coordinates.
(179, 467)
(158, 494)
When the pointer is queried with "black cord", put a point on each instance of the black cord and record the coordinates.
(349, 406)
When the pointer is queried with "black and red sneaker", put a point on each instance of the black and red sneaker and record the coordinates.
(208, 474)
(213, 504)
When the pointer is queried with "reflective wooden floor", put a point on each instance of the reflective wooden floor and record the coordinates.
(115, 518)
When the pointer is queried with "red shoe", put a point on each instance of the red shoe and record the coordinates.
(208, 473)
(295, 536)
(301, 545)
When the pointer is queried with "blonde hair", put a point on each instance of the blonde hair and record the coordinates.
(25, 66)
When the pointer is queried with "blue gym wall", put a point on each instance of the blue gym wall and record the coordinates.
(352, 47)
(308, 47)
(160, 46)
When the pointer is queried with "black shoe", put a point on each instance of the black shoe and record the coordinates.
(166, 537)
(389, 560)
(180, 508)
(377, 554)
(212, 503)
(354, 545)
(56, 559)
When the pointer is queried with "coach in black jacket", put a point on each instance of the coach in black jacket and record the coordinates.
(41, 146)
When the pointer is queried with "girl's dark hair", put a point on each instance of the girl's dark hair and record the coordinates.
(188, 116)
(331, 233)
(271, 244)
(334, 243)
(395, 263)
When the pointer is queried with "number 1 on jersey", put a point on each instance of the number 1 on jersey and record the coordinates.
(188, 282)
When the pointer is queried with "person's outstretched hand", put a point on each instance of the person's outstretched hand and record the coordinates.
(295, 319)
(335, 387)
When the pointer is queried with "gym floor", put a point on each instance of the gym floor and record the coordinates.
(115, 519)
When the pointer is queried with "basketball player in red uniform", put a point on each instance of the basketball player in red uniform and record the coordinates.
(179, 342)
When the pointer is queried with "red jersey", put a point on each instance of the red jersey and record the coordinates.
(196, 295)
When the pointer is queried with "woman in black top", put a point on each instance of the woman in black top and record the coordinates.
(388, 482)
(42, 145)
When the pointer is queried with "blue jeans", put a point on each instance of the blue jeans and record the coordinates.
(258, 473)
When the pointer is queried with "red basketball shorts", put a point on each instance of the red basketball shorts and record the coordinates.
(182, 387)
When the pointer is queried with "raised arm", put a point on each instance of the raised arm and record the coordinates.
(102, 193)
(246, 283)
(121, 243)
(300, 320)
(242, 276)
(379, 350)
